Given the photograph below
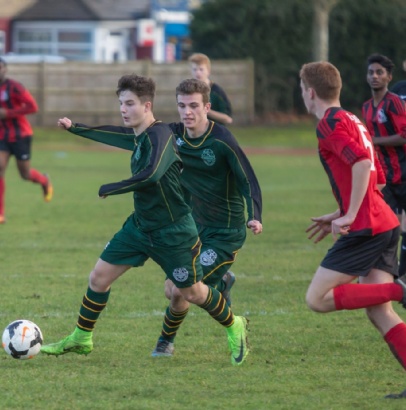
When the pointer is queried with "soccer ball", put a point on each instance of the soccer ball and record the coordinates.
(22, 339)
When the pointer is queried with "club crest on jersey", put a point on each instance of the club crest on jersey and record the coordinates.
(208, 257)
(180, 274)
(382, 117)
(208, 157)
(179, 142)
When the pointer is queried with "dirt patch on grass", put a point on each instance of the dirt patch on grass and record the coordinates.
(282, 151)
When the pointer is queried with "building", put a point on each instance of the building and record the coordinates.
(102, 31)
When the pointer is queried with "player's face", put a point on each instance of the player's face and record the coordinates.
(378, 77)
(200, 72)
(133, 111)
(307, 97)
(193, 112)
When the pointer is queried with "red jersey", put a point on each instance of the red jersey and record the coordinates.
(343, 141)
(388, 118)
(17, 101)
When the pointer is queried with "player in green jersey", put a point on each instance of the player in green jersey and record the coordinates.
(161, 226)
(217, 178)
(220, 106)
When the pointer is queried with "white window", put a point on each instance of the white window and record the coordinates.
(72, 44)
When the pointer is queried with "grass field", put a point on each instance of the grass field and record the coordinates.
(299, 359)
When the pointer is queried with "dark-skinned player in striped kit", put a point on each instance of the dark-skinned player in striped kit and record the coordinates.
(385, 117)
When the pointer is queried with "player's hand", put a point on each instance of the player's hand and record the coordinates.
(65, 123)
(321, 227)
(341, 226)
(255, 226)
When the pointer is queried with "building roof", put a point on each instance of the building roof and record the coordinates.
(81, 10)
(11, 8)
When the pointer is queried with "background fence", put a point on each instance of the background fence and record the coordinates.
(85, 92)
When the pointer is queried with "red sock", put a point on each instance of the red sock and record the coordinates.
(37, 177)
(396, 340)
(2, 191)
(358, 296)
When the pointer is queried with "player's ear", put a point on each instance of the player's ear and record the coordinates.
(148, 106)
(312, 93)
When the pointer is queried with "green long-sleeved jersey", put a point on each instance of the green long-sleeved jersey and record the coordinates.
(216, 178)
(155, 168)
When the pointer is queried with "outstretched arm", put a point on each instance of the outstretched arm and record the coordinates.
(120, 137)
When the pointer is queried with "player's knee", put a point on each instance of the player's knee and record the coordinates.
(188, 295)
(315, 304)
(25, 175)
(98, 281)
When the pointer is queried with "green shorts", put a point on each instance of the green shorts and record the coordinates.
(175, 248)
(219, 250)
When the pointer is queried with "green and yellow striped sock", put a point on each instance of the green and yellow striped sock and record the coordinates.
(92, 305)
(217, 308)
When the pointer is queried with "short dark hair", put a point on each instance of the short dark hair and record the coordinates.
(384, 61)
(142, 87)
(192, 86)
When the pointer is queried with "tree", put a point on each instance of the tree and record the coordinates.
(273, 33)
(321, 9)
(358, 29)
(277, 35)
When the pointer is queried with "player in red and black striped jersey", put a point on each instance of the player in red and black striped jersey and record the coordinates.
(368, 229)
(16, 135)
(385, 118)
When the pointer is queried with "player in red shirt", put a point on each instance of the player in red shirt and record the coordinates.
(368, 229)
(385, 117)
(16, 135)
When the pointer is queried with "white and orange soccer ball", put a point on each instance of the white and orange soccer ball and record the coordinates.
(22, 339)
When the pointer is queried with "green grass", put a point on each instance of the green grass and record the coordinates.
(299, 360)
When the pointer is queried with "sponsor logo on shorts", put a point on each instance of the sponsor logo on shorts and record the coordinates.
(208, 157)
(208, 257)
(25, 157)
(180, 274)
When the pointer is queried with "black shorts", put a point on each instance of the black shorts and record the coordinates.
(395, 197)
(357, 255)
(21, 149)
